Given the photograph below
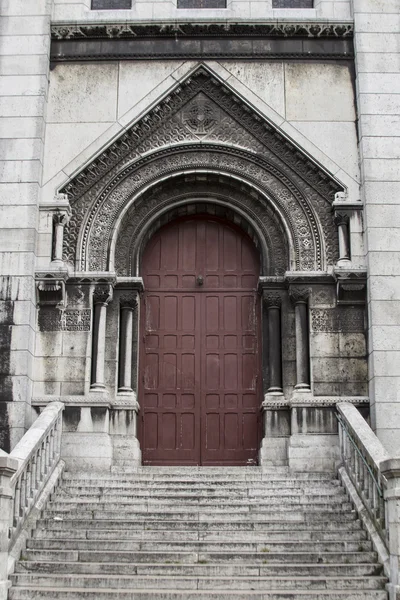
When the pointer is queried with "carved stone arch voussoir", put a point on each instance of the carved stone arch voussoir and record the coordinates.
(211, 194)
(202, 124)
(298, 216)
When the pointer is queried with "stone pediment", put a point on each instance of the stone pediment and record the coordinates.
(201, 124)
(203, 108)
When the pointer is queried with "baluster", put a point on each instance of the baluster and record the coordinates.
(42, 463)
(34, 473)
(28, 487)
(357, 467)
(38, 467)
(48, 456)
(22, 502)
(17, 501)
(51, 447)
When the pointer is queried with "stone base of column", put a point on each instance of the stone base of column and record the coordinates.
(98, 387)
(301, 395)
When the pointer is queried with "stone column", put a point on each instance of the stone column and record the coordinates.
(342, 223)
(273, 302)
(102, 295)
(128, 304)
(299, 297)
(390, 468)
(60, 219)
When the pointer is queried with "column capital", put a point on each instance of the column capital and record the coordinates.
(299, 294)
(341, 218)
(61, 216)
(102, 294)
(272, 299)
(129, 300)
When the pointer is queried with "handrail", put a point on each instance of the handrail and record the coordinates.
(37, 453)
(361, 454)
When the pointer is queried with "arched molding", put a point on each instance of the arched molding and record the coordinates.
(211, 194)
(303, 212)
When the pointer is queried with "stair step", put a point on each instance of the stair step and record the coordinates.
(148, 524)
(200, 546)
(197, 583)
(199, 533)
(197, 557)
(195, 535)
(227, 569)
(37, 593)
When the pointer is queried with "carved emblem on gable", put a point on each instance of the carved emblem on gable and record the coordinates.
(200, 115)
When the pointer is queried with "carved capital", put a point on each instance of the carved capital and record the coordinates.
(272, 299)
(341, 218)
(129, 300)
(102, 294)
(299, 295)
(61, 217)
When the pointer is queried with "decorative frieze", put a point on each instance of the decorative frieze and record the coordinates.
(344, 319)
(53, 319)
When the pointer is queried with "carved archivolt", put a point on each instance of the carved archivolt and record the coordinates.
(202, 127)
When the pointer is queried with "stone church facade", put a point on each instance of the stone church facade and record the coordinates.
(199, 214)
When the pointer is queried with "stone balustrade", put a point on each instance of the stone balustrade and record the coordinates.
(23, 475)
(376, 478)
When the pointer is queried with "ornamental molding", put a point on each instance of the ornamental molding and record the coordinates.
(202, 81)
(164, 202)
(276, 29)
(202, 125)
(272, 299)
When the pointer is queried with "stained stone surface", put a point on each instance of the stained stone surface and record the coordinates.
(292, 3)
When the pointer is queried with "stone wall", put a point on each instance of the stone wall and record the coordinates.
(377, 43)
(24, 65)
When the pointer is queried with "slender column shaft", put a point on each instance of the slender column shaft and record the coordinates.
(344, 250)
(58, 242)
(274, 347)
(302, 348)
(99, 343)
(125, 361)
(101, 297)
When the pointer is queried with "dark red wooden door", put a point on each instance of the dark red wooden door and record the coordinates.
(200, 360)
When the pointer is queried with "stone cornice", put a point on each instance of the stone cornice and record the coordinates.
(184, 29)
(311, 40)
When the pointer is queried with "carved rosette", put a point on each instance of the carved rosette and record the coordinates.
(102, 294)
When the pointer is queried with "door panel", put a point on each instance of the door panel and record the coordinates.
(199, 357)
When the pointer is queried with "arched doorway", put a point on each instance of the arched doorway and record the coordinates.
(200, 358)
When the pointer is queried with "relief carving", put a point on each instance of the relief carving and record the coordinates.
(201, 107)
(345, 319)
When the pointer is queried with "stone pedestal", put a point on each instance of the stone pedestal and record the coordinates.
(390, 468)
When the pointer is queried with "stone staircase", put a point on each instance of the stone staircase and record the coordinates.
(203, 533)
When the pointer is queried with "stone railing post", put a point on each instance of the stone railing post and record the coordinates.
(8, 466)
(102, 295)
(390, 469)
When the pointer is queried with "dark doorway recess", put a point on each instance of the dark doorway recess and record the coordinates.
(200, 359)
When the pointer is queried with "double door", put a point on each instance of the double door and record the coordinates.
(200, 384)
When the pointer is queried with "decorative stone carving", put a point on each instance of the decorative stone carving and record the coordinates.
(53, 319)
(341, 218)
(133, 30)
(299, 294)
(302, 191)
(151, 204)
(201, 115)
(129, 300)
(345, 319)
(102, 294)
(272, 299)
